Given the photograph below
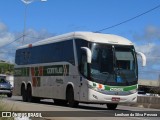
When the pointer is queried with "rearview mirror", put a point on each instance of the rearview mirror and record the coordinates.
(143, 58)
(88, 53)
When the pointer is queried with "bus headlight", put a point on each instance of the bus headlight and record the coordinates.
(133, 91)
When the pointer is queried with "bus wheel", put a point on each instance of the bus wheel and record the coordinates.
(112, 106)
(70, 98)
(29, 94)
(24, 93)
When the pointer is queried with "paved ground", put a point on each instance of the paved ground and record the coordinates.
(98, 111)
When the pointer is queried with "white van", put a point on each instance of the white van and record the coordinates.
(10, 78)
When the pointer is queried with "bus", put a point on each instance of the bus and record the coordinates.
(78, 67)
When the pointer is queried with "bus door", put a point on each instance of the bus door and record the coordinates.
(83, 89)
(84, 73)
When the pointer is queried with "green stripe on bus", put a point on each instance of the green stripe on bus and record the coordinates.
(21, 71)
(125, 88)
(128, 88)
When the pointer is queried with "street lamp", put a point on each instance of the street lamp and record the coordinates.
(26, 2)
(29, 1)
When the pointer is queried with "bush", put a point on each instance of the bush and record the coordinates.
(5, 107)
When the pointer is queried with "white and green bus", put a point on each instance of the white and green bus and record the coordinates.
(78, 67)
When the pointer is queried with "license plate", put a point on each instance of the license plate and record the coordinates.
(117, 99)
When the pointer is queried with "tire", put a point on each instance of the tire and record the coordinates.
(30, 98)
(112, 106)
(70, 98)
(24, 94)
(29, 94)
(9, 95)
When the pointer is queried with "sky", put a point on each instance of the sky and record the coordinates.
(55, 17)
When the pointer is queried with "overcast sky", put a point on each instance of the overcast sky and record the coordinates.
(54, 17)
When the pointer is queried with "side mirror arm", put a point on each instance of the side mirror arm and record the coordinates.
(89, 54)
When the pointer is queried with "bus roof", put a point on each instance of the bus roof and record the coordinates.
(89, 36)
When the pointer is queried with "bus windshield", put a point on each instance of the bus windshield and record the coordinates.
(113, 65)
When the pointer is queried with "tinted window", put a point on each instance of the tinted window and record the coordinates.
(2, 80)
(22, 56)
(54, 52)
(68, 52)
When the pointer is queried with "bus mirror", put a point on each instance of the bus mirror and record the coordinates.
(88, 53)
(143, 58)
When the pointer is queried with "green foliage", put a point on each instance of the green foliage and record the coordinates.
(6, 68)
(4, 107)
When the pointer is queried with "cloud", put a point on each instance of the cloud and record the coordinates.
(34, 36)
(150, 34)
(148, 42)
(7, 51)
(5, 36)
(146, 48)
(3, 27)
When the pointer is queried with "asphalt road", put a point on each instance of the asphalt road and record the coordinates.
(95, 112)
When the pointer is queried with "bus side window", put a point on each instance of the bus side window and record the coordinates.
(26, 56)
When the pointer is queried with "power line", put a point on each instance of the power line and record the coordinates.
(18, 39)
(112, 26)
(12, 42)
(148, 72)
(34, 37)
(7, 52)
(153, 57)
(130, 19)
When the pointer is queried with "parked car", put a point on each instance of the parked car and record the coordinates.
(5, 87)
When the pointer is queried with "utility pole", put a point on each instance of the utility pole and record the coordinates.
(159, 80)
(24, 27)
(26, 2)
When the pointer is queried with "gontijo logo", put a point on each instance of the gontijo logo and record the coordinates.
(116, 89)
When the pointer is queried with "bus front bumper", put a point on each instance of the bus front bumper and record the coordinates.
(97, 97)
